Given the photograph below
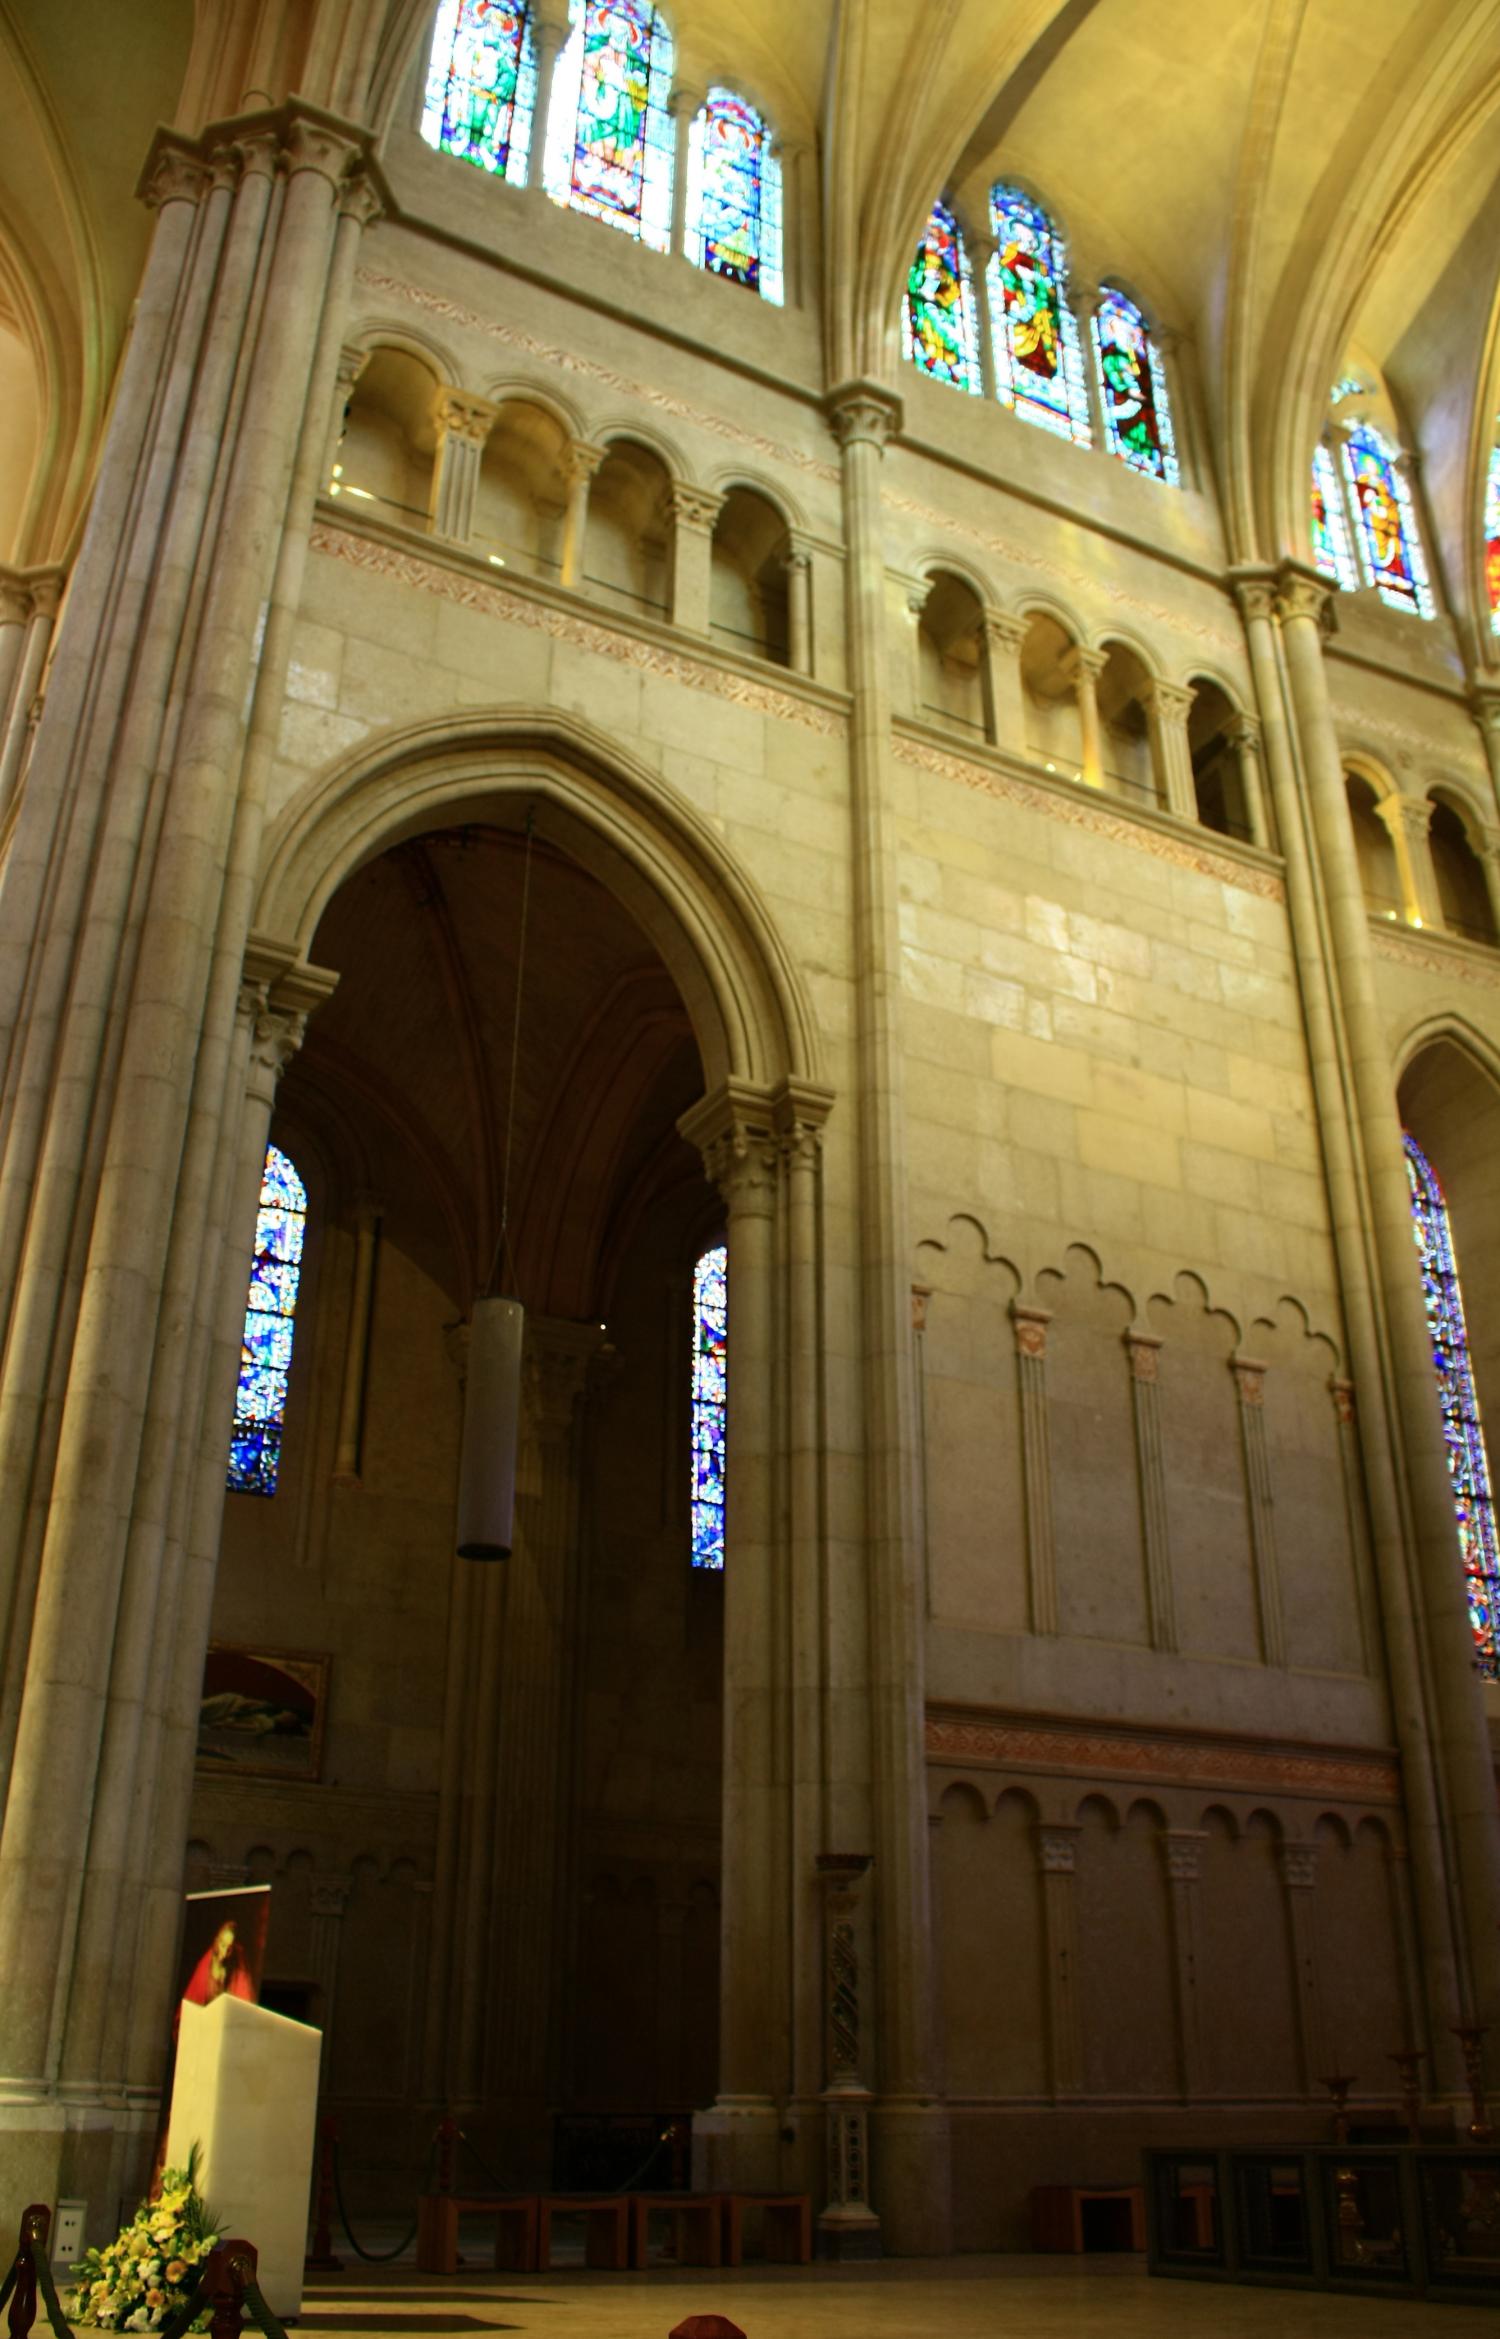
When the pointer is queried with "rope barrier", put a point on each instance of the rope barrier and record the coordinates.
(30, 2273)
(376, 2257)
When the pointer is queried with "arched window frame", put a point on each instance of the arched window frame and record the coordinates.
(472, 39)
(635, 194)
(1463, 1430)
(939, 314)
(1366, 452)
(709, 1392)
(1333, 553)
(1057, 401)
(269, 1329)
(734, 206)
(1492, 537)
(1123, 340)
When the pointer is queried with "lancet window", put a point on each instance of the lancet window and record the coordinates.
(1332, 550)
(1038, 362)
(481, 85)
(1463, 1431)
(266, 1342)
(1390, 551)
(1133, 388)
(609, 136)
(734, 196)
(709, 1403)
(939, 318)
(1492, 537)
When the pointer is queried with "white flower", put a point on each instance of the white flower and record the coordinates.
(139, 2321)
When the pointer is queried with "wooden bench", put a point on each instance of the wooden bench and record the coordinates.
(516, 2221)
(698, 2220)
(787, 2239)
(1057, 2216)
(606, 2228)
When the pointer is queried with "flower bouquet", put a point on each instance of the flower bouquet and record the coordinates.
(145, 2276)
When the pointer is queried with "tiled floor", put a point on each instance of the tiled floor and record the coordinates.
(952, 2298)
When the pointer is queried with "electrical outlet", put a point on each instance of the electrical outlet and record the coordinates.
(67, 2230)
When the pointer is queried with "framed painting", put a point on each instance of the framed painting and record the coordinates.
(261, 1715)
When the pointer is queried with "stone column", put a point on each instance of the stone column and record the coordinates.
(1143, 1350)
(1484, 700)
(15, 608)
(549, 30)
(798, 208)
(910, 2127)
(1249, 1385)
(1487, 847)
(463, 424)
(797, 562)
(1083, 668)
(982, 249)
(1456, 1701)
(694, 512)
(683, 105)
(1299, 1876)
(1183, 1850)
(43, 595)
(735, 1131)
(1167, 706)
(346, 1452)
(1000, 640)
(1030, 1326)
(583, 462)
(1057, 1849)
(1243, 735)
(329, 1898)
(351, 365)
(847, 2225)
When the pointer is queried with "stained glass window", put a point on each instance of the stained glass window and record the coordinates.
(1492, 537)
(609, 137)
(266, 1343)
(1389, 550)
(940, 324)
(481, 84)
(710, 1387)
(734, 196)
(1038, 362)
(1133, 386)
(1330, 530)
(1468, 1463)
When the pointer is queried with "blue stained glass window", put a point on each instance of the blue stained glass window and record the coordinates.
(1463, 1431)
(1389, 547)
(710, 1394)
(1038, 362)
(734, 196)
(481, 85)
(266, 1342)
(610, 146)
(1133, 387)
(940, 325)
(1332, 551)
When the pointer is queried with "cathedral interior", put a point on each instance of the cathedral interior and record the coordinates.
(818, 688)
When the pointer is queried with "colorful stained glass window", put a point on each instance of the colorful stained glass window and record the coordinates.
(940, 324)
(610, 143)
(266, 1343)
(1492, 537)
(481, 85)
(1038, 362)
(1133, 387)
(734, 196)
(1389, 549)
(1468, 1463)
(710, 1393)
(1332, 551)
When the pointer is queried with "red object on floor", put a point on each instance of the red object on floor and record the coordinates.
(706, 2327)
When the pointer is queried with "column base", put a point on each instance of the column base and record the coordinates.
(847, 2233)
(737, 2146)
(91, 2146)
(912, 2181)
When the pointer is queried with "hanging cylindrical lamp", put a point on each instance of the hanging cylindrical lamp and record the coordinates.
(492, 1422)
(492, 1382)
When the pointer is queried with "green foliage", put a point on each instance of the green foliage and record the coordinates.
(144, 2276)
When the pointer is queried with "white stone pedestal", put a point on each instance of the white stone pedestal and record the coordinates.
(246, 2093)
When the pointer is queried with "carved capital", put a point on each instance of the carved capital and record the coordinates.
(276, 1033)
(1030, 1327)
(458, 416)
(1484, 703)
(1299, 1865)
(1254, 591)
(1144, 1352)
(1004, 632)
(255, 152)
(174, 173)
(1249, 1380)
(1243, 734)
(314, 145)
(1057, 1849)
(685, 100)
(863, 414)
(15, 599)
(45, 588)
(1183, 1847)
(694, 507)
(1169, 700)
(1083, 667)
(329, 1894)
(583, 460)
(798, 555)
(735, 1131)
(1408, 816)
(1302, 593)
(360, 200)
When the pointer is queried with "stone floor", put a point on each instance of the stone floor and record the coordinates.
(951, 2298)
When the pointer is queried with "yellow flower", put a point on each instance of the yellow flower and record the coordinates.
(156, 2298)
(175, 2269)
